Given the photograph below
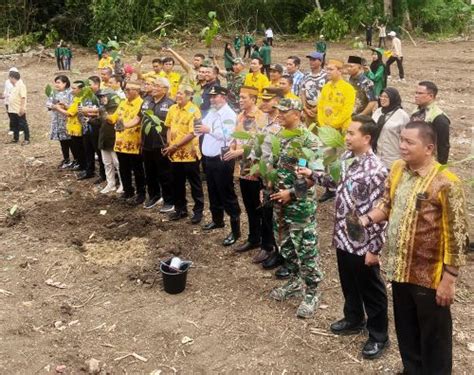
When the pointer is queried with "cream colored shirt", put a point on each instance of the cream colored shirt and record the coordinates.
(14, 101)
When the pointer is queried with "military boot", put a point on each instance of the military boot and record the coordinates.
(293, 288)
(309, 304)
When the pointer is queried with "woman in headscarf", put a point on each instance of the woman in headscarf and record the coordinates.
(377, 71)
(391, 119)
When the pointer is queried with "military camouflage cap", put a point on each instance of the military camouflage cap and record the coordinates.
(286, 105)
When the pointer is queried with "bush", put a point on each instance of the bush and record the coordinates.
(331, 24)
(444, 16)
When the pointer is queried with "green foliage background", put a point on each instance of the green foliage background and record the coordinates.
(84, 21)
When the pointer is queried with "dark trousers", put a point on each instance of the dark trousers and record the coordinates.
(187, 171)
(91, 148)
(220, 187)
(368, 39)
(259, 222)
(363, 287)
(9, 117)
(77, 149)
(18, 123)
(59, 62)
(399, 61)
(247, 49)
(266, 70)
(128, 164)
(424, 330)
(65, 148)
(270, 41)
(159, 178)
(382, 40)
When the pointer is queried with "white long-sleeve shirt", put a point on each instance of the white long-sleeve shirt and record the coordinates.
(7, 90)
(222, 124)
(397, 47)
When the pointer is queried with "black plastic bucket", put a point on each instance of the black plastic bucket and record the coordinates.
(174, 281)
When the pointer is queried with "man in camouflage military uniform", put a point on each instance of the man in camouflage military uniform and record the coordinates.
(294, 215)
(235, 80)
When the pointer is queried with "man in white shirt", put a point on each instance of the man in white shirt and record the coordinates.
(396, 56)
(6, 95)
(216, 129)
(269, 36)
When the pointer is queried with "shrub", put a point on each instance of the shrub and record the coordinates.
(331, 24)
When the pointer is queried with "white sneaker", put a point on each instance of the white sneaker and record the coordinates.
(120, 190)
(108, 189)
(10, 132)
(160, 201)
(21, 132)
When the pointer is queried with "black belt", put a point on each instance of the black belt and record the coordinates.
(214, 158)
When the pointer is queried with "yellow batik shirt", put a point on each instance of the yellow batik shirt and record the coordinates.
(292, 96)
(129, 140)
(73, 124)
(175, 79)
(106, 62)
(427, 225)
(336, 104)
(180, 121)
(259, 81)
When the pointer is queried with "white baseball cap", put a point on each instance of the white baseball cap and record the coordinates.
(392, 33)
(13, 69)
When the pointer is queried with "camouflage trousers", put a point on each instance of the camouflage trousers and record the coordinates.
(297, 242)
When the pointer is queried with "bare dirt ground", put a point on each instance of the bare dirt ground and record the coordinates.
(113, 303)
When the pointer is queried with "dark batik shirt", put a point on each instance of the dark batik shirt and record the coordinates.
(361, 186)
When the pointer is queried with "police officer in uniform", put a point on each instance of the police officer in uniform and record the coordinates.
(216, 130)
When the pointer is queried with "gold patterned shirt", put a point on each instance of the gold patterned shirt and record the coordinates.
(427, 223)
(129, 140)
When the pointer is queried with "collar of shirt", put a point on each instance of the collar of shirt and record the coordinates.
(422, 171)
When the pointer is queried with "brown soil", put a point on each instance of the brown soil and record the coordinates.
(113, 303)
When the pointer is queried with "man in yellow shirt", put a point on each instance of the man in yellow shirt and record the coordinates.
(256, 78)
(157, 65)
(183, 150)
(106, 61)
(127, 143)
(337, 100)
(173, 77)
(335, 105)
(286, 83)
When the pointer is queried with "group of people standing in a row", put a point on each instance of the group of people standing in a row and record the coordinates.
(158, 128)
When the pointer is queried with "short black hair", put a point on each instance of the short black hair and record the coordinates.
(107, 70)
(79, 84)
(259, 60)
(95, 79)
(430, 87)
(14, 75)
(288, 78)
(157, 60)
(425, 130)
(63, 79)
(296, 60)
(167, 59)
(200, 55)
(368, 127)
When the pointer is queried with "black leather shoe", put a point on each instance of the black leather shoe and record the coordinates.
(373, 349)
(328, 194)
(344, 327)
(196, 218)
(174, 216)
(246, 246)
(282, 273)
(230, 240)
(137, 200)
(212, 226)
(84, 176)
(273, 261)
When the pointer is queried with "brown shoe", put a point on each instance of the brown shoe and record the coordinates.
(261, 256)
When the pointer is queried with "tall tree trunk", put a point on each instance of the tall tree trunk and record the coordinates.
(407, 20)
(388, 8)
(318, 6)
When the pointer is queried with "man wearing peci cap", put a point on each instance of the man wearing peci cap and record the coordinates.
(396, 56)
(235, 81)
(311, 86)
(252, 120)
(276, 72)
(294, 215)
(365, 97)
(216, 130)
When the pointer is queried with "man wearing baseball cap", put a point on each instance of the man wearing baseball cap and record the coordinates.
(397, 55)
(216, 129)
(311, 86)
(276, 71)
(295, 214)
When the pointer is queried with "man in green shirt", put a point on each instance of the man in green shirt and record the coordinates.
(266, 55)
(321, 47)
(248, 43)
(237, 45)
